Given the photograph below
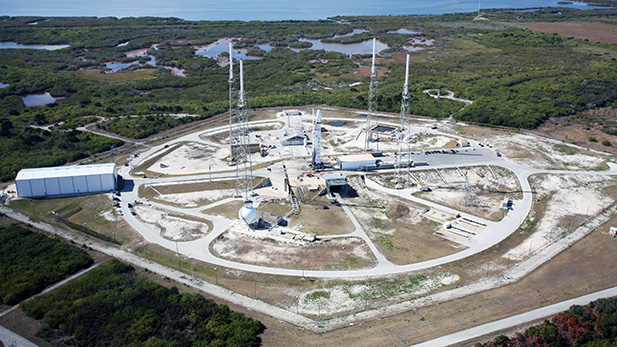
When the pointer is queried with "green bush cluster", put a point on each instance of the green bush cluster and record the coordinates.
(30, 261)
(112, 306)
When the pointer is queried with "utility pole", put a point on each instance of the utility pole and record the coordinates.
(178, 255)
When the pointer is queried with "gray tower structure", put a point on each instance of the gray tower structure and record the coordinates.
(403, 135)
(239, 134)
(371, 118)
(316, 162)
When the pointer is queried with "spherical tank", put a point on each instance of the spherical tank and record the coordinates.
(248, 214)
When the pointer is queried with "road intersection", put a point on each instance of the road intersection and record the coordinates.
(475, 155)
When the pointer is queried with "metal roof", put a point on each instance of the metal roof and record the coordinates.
(66, 171)
(334, 180)
(332, 177)
(356, 157)
(294, 132)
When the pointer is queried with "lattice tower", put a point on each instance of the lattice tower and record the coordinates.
(371, 118)
(316, 162)
(403, 134)
(239, 135)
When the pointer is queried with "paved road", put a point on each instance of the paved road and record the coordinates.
(9, 337)
(518, 319)
(494, 233)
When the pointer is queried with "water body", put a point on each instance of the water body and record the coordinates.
(215, 49)
(247, 10)
(38, 99)
(4, 85)
(115, 66)
(365, 47)
(15, 45)
(404, 31)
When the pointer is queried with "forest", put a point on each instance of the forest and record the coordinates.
(591, 325)
(516, 77)
(113, 306)
(30, 261)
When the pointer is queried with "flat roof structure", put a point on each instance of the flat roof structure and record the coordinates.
(334, 180)
(356, 161)
(356, 157)
(50, 182)
(66, 171)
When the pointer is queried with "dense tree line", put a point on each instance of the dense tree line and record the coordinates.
(32, 147)
(141, 127)
(591, 325)
(30, 261)
(112, 306)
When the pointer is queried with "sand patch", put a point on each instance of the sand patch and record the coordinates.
(191, 158)
(263, 247)
(195, 199)
(568, 196)
(346, 297)
(169, 226)
(543, 153)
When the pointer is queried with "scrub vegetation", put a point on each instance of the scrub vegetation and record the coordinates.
(30, 261)
(516, 77)
(112, 306)
(590, 325)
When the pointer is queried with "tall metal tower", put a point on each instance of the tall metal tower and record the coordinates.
(316, 162)
(403, 134)
(371, 118)
(239, 139)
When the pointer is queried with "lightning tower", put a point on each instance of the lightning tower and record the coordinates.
(239, 138)
(371, 118)
(316, 162)
(403, 134)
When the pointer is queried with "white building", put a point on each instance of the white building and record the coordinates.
(51, 182)
(355, 162)
(288, 113)
(294, 137)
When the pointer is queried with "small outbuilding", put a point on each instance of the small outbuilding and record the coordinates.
(334, 180)
(294, 137)
(294, 112)
(463, 143)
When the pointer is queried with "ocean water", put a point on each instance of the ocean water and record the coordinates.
(247, 10)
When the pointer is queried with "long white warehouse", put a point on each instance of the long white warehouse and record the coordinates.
(51, 182)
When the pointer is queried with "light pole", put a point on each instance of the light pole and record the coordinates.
(178, 255)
